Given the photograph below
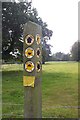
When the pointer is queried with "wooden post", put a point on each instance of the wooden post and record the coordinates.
(32, 70)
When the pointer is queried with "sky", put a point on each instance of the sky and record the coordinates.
(62, 18)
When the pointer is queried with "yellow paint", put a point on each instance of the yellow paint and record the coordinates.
(38, 39)
(30, 42)
(29, 52)
(37, 52)
(28, 81)
(29, 66)
(38, 66)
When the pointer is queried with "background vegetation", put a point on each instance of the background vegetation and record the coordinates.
(12, 34)
(14, 16)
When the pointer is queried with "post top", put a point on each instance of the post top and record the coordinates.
(32, 23)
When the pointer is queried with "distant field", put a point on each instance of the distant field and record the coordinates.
(59, 90)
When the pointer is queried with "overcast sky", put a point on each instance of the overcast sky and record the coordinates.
(62, 18)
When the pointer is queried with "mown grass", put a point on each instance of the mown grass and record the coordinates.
(59, 90)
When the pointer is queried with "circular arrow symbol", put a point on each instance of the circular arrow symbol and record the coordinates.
(29, 39)
(38, 39)
(29, 66)
(29, 52)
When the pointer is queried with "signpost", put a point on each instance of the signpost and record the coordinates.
(32, 70)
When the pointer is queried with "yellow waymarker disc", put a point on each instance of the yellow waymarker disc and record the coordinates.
(29, 52)
(29, 39)
(38, 52)
(29, 66)
(38, 39)
(38, 66)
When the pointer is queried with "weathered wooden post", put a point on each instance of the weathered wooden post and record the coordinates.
(32, 70)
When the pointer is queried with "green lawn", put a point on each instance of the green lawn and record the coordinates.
(59, 90)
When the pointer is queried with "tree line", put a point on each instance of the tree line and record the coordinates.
(14, 16)
(74, 54)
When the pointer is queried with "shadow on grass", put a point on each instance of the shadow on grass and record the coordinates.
(14, 72)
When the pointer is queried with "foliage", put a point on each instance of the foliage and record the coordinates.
(46, 50)
(75, 51)
(59, 56)
(14, 16)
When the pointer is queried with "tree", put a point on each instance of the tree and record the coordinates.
(58, 56)
(65, 57)
(46, 50)
(75, 51)
(14, 16)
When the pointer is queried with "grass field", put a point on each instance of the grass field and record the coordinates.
(59, 90)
